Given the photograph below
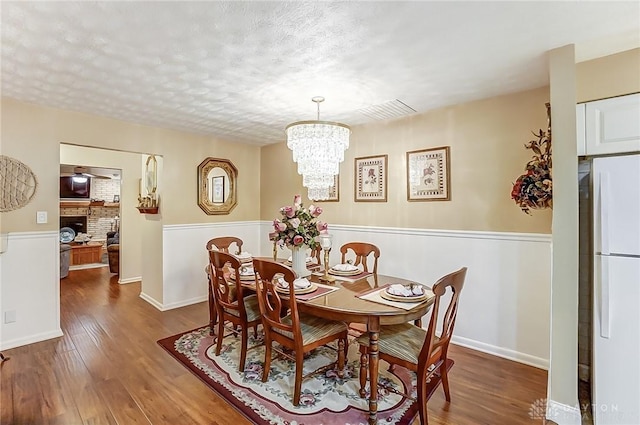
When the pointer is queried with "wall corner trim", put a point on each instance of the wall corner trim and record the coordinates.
(152, 301)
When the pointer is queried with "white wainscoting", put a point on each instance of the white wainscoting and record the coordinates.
(185, 258)
(504, 309)
(30, 286)
(505, 306)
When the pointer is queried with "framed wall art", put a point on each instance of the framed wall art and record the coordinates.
(334, 191)
(428, 175)
(371, 179)
(217, 189)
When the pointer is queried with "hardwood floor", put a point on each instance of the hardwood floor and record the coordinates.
(108, 369)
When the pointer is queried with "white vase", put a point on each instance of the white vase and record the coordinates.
(299, 261)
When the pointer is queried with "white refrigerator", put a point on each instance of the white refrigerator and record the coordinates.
(615, 373)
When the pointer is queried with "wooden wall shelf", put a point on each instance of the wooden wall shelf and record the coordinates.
(148, 210)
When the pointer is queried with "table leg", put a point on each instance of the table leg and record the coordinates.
(373, 327)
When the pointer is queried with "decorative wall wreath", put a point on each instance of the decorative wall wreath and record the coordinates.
(534, 188)
(18, 184)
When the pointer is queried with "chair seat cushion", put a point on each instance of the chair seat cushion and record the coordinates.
(250, 307)
(402, 341)
(313, 328)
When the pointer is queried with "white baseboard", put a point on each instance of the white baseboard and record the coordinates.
(31, 339)
(171, 306)
(130, 280)
(563, 414)
(505, 353)
(151, 301)
(185, 303)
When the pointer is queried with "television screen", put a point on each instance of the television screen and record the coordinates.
(73, 188)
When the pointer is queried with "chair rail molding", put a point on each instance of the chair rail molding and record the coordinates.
(506, 304)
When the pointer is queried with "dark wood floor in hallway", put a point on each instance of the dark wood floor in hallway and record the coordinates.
(108, 369)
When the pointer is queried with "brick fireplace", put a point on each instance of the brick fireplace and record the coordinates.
(77, 222)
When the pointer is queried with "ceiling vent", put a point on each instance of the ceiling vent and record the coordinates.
(388, 110)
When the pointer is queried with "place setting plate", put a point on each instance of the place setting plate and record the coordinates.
(246, 275)
(406, 298)
(338, 272)
(245, 257)
(297, 291)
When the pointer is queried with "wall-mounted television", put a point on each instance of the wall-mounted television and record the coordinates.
(72, 187)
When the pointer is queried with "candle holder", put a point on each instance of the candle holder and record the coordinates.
(272, 237)
(325, 244)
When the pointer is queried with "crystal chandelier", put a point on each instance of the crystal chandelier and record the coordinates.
(318, 148)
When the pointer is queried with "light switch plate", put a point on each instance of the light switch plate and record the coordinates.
(10, 316)
(41, 217)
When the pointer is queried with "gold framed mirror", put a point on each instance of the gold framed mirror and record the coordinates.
(151, 175)
(217, 186)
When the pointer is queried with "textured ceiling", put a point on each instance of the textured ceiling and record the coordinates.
(244, 70)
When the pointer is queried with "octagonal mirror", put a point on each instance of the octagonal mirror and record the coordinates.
(217, 186)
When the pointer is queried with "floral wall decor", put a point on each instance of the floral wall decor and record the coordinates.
(533, 189)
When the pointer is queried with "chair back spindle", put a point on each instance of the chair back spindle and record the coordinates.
(455, 281)
(223, 244)
(268, 273)
(226, 292)
(362, 250)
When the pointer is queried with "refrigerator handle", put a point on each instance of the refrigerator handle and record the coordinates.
(605, 328)
(604, 213)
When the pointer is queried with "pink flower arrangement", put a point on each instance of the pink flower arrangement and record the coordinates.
(298, 226)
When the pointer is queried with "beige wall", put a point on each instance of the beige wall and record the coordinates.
(487, 155)
(609, 76)
(33, 135)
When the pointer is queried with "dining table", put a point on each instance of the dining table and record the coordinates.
(354, 299)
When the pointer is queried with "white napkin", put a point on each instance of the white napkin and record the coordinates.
(404, 291)
(344, 267)
(301, 283)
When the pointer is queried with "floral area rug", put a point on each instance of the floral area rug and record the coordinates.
(326, 398)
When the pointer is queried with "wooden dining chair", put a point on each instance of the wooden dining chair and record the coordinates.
(418, 349)
(317, 253)
(232, 306)
(361, 250)
(223, 244)
(296, 331)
